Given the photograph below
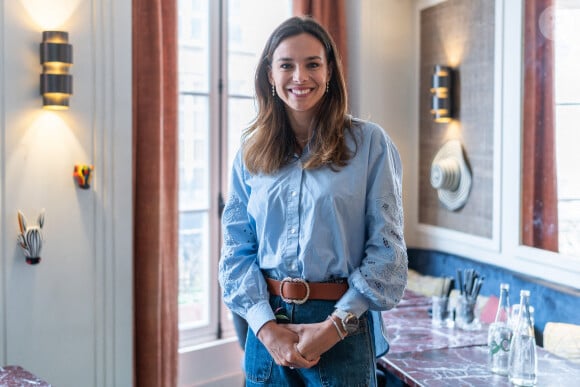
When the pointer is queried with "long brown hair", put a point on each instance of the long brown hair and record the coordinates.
(269, 140)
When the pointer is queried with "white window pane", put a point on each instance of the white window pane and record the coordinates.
(193, 78)
(567, 93)
(241, 73)
(241, 112)
(568, 159)
(193, 53)
(567, 51)
(248, 30)
(193, 268)
(193, 152)
(194, 195)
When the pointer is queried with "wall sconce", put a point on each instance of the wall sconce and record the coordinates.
(55, 80)
(441, 94)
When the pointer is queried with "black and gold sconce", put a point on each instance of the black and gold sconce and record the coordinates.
(56, 58)
(442, 94)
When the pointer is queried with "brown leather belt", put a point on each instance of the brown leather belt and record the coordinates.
(298, 291)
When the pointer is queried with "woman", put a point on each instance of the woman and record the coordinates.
(313, 228)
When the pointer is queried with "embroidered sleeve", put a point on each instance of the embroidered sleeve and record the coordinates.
(382, 275)
(243, 286)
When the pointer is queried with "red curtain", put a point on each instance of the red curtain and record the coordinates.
(155, 192)
(540, 195)
(332, 15)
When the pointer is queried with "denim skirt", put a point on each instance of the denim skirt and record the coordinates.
(351, 362)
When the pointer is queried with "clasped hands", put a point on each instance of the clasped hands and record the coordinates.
(298, 345)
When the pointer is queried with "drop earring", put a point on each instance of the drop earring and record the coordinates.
(273, 91)
(327, 86)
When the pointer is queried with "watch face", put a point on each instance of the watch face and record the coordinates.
(349, 321)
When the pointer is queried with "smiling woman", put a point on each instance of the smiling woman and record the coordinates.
(299, 68)
(299, 76)
(314, 235)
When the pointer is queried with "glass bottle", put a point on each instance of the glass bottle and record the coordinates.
(523, 360)
(500, 334)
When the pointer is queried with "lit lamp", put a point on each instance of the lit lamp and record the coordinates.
(441, 103)
(55, 80)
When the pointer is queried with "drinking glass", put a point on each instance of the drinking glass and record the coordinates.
(465, 318)
(439, 311)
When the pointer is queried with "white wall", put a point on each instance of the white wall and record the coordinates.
(68, 319)
(383, 78)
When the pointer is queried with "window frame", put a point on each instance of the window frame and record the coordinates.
(557, 267)
(193, 336)
(220, 323)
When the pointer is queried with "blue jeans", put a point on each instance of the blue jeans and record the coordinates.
(350, 363)
(241, 327)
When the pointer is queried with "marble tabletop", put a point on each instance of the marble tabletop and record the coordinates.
(11, 376)
(409, 329)
(467, 366)
(421, 354)
(413, 299)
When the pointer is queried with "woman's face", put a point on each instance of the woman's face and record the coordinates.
(300, 71)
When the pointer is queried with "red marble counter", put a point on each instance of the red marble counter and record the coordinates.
(409, 329)
(423, 355)
(12, 376)
(467, 366)
(413, 299)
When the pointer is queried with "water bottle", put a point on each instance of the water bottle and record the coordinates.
(523, 360)
(500, 334)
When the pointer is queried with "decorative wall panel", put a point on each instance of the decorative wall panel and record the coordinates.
(460, 34)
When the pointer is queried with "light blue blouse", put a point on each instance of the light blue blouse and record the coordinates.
(317, 225)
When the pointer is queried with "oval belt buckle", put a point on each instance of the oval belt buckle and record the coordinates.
(289, 300)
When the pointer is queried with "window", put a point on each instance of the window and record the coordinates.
(219, 43)
(567, 101)
(551, 190)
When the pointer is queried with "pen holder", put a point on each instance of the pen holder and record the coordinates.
(466, 318)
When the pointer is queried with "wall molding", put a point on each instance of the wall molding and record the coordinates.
(112, 154)
(3, 308)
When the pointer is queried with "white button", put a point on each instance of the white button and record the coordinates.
(293, 231)
(293, 193)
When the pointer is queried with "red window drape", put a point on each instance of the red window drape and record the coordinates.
(539, 184)
(155, 192)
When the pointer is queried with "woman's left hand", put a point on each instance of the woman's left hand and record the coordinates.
(315, 339)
